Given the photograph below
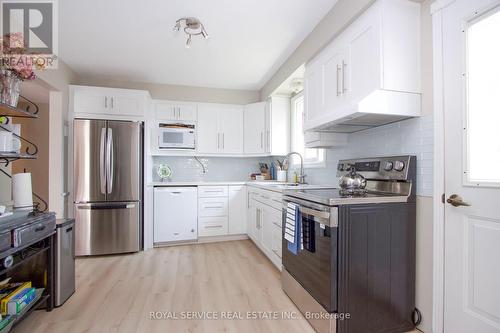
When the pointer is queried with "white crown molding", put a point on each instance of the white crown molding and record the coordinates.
(438, 5)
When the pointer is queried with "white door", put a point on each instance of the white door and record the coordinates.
(166, 111)
(230, 129)
(187, 112)
(267, 230)
(331, 79)
(361, 74)
(91, 101)
(255, 128)
(208, 137)
(471, 90)
(237, 210)
(312, 86)
(126, 103)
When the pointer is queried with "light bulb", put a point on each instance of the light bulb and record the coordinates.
(204, 34)
(188, 42)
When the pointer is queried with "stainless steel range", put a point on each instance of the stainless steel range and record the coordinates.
(356, 269)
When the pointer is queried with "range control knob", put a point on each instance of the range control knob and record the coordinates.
(388, 166)
(340, 167)
(399, 165)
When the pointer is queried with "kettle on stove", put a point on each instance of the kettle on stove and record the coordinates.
(352, 180)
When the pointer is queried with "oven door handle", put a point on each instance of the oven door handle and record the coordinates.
(315, 213)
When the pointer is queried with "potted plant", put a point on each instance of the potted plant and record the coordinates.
(15, 67)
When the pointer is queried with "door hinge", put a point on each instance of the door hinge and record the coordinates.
(443, 198)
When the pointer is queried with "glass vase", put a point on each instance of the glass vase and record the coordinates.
(10, 87)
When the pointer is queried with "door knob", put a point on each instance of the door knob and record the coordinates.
(456, 201)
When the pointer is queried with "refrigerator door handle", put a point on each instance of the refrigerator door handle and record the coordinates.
(106, 206)
(109, 161)
(102, 158)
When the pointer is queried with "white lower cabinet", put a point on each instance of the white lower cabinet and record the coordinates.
(221, 210)
(175, 214)
(264, 223)
(237, 210)
(212, 226)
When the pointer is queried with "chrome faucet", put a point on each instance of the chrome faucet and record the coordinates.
(302, 176)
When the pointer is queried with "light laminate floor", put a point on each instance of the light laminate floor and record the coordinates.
(118, 293)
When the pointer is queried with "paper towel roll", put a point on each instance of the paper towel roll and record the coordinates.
(21, 191)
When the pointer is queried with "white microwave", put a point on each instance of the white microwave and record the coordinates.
(176, 136)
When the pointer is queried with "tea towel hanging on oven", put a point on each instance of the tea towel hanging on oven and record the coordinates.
(293, 229)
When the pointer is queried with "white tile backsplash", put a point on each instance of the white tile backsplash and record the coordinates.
(409, 137)
(218, 168)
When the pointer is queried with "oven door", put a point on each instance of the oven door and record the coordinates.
(176, 138)
(315, 266)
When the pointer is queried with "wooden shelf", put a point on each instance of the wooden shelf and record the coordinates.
(9, 111)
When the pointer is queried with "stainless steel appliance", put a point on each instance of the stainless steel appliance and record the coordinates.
(176, 136)
(108, 166)
(356, 271)
(65, 260)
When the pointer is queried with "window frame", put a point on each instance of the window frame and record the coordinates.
(467, 23)
(320, 162)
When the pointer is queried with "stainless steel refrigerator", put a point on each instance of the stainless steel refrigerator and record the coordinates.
(108, 172)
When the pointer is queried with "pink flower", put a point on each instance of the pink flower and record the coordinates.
(14, 58)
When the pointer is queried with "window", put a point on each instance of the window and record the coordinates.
(483, 98)
(312, 157)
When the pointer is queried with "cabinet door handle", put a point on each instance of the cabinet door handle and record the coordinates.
(344, 69)
(112, 102)
(105, 102)
(261, 140)
(339, 92)
(218, 141)
(268, 140)
(223, 141)
(213, 226)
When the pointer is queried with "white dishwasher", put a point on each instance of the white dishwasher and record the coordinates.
(175, 214)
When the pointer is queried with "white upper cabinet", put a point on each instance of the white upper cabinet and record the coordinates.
(278, 126)
(175, 111)
(267, 127)
(370, 74)
(91, 101)
(220, 129)
(255, 128)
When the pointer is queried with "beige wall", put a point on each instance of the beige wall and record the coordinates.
(59, 80)
(179, 93)
(37, 131)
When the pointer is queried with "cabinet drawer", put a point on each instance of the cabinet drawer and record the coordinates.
(212, 207)
(212, 191)
(212, 226)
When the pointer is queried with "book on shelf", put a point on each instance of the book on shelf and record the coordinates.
(20, 301)
(8, 294)
(5, 321)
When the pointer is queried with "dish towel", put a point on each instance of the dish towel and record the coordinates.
(293, 228)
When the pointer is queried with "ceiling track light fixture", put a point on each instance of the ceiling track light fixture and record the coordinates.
(192, 27)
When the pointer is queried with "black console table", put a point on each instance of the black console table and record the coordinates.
(33, 259)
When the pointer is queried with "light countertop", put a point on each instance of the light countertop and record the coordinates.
(266, 185)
